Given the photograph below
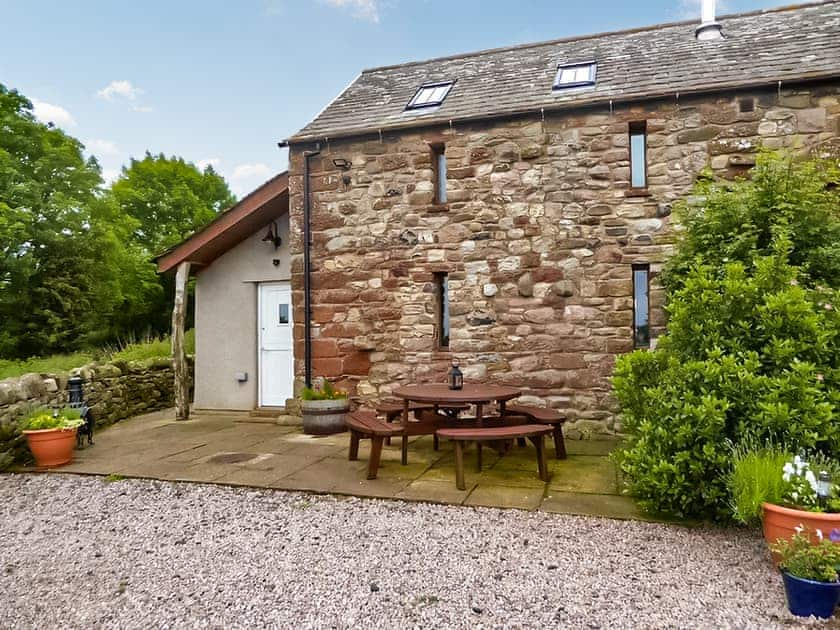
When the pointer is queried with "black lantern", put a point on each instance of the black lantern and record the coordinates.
(75, 391)
(456, 377)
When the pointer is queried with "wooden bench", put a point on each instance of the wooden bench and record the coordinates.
(393, 411)
(545, 416)
(534, 432)
(364, 424)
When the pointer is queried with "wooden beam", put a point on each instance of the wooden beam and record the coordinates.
(179, 354)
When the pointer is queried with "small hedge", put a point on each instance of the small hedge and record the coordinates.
(753, 342)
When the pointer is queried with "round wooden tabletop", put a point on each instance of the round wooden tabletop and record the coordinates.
(470, 393)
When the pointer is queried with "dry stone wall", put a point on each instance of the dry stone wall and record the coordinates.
(114, 391)
(537, 237)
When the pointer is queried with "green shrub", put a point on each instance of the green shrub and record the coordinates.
(44, 418)
(326, 392)
(753, 341)
(755, 478)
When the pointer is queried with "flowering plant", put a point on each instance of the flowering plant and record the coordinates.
(43, 418)
(801, 558)
(802, 488)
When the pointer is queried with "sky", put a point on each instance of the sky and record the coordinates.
(222, 81)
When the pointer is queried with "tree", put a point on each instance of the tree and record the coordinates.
(753, 342)
(64, 268)
(169, 198)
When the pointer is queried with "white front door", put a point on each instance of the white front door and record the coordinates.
(276, 368)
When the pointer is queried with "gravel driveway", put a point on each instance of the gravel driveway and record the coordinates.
(82, 552)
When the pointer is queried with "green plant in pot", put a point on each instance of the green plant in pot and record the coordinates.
(810, 571)
(810, 499)
(323, 409)
(51, 434)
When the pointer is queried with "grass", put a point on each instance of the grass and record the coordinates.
(126, 351)
(756, 477)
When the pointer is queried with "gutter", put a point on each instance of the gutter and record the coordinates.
(307, 269)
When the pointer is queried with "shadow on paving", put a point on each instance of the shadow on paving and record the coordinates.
(231, 449)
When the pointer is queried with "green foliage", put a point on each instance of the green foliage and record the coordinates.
(753, 342)
(803, 559)
(76, 268)
(737, 221)
(151, 348)
(43, 365)
(43, 418)
(169, 199)
(755, 478)
(65, 271)
(143, 350)
(326, 392)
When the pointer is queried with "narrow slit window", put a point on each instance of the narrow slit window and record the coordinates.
(439, 170)
(283, 314)
(641, 306)
(638, 154)
(574, 75)
(442, 290)
(430, 95)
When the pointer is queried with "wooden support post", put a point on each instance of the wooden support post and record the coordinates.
(179, 354)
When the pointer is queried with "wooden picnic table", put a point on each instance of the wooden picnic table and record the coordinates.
(439, 395)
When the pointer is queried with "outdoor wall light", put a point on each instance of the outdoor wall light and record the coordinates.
(273, 236)
(342, 164)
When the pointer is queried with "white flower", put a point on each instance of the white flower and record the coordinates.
(811, 479)
(795, 495)
(786, 476)
(820, 534)
(798, 529)
(788, 469)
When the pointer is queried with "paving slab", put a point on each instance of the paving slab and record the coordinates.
(220, 448)
(506, 496)
(435, 491)
(588, 447)
(608, 505)
(583, 473)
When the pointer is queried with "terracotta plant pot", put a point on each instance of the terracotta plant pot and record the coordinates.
(780, 522)
(51, 447)
(323, 417)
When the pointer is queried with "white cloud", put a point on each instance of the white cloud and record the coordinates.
(48, 113)
(119, 89)
(246, 177)
(362, 9)
(143, 109)
(111, 174)
(251, 171)
(214, 162)
(101, 147)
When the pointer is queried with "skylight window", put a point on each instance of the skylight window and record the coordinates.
(574, 75)
(430, 95)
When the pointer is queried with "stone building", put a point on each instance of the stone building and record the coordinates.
(510, 208)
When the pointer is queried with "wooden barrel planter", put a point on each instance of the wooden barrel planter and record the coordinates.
(323, 417)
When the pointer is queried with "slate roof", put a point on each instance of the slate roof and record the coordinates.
(759, 48)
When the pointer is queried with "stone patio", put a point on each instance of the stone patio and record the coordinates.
(235, 449)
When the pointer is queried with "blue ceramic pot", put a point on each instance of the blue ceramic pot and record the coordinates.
(808, 597)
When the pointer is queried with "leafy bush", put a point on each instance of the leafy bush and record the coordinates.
(43, 418)
(803, 559)
(755, 478)
(753, 341)
(326, 392)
